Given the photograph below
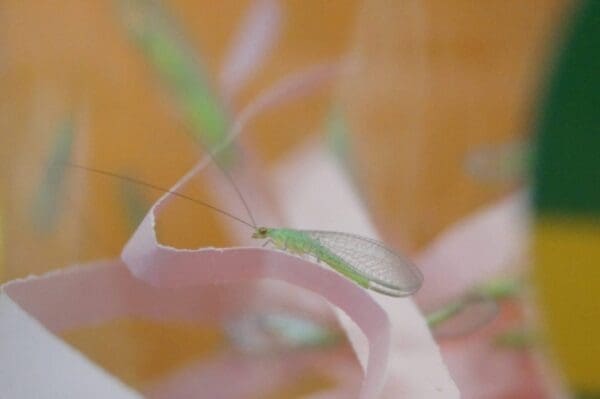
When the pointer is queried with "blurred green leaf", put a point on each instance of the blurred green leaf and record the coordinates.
(166, 49)
(339, 141)
(46, 203)
(136, 205)
(338, 136)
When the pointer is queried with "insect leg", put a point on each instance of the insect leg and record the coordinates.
(315, 255)
(316, 251)
(267, 242)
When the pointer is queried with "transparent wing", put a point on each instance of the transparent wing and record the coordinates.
(388, 272)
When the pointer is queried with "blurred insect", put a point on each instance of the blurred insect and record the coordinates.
(472, 310)
(462, 316)
(520, 338)
(367, 262)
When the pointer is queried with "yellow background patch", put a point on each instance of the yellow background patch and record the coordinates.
(567, 273)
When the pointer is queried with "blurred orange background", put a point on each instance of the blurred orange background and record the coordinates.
(431, 82)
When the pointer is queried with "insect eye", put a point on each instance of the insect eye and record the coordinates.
(262, 230)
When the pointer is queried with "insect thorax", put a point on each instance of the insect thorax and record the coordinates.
(278, 237)
(292, 240)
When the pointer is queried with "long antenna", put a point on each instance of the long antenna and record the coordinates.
(232, 182)
(288, 87)
(158, 188)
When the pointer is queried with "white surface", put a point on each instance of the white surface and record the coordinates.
(38, 365)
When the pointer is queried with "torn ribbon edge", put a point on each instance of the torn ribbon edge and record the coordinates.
(167, 267)
(42, 365)
(34, 310)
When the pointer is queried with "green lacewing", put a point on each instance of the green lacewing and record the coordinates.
(367, 262)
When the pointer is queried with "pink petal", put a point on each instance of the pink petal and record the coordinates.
(490, 243)
(316, 195)
(41, 365)
(289, 88)
(96, 293)
(168, 267)
(258, 34)
(254, 376)
(208, 285)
